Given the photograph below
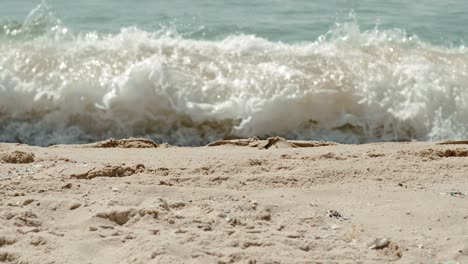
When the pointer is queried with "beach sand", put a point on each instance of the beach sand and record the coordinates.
(244, 201)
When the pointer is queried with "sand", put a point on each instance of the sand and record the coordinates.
(240, 201)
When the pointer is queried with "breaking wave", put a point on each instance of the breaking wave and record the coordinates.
(350, 85)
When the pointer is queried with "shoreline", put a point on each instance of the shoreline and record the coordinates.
(234, 203)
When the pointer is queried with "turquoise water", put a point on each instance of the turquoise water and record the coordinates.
(277, 20)
(189, 72)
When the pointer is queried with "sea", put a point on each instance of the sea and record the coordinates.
(190, 72)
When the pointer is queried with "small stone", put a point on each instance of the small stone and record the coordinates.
(28, 201)
(74, 206)
(67, 186)
(129, 237)
(305, 247)
(264, 216)
(379, 243)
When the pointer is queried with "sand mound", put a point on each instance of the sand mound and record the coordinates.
(121, 217)
(126, 143)
(7, 257)
(272, 142)
(453, 142)
(110, 171)
(447, 153)
(17, 157)
(7, 241)
(234, 142)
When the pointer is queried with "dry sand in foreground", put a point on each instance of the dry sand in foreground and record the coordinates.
(234, 202)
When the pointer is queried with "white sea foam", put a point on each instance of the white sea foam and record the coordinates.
(349, 86)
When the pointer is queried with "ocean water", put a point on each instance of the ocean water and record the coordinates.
(190, 72)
